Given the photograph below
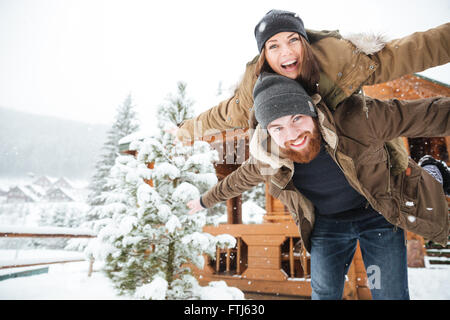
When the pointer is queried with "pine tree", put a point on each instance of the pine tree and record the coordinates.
(125, 123)
(150, 240)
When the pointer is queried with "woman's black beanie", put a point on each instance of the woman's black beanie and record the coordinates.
(276, 21)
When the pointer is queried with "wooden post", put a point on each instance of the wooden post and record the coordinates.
(268, 200)
(238, 256)
(217, 259)
(416, 250)
(304, 262)
(264, 257)
(291, 256)
(91, 266)
(228, 260)
(234, 210)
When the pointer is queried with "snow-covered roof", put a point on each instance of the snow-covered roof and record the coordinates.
(43, 181)
(138, 135)
(36, 189)
(438, 74)
(50, 194)
(63, 183)
(424, 76)
(77, 195)
(22, 189)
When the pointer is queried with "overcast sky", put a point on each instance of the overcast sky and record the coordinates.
(79, 59)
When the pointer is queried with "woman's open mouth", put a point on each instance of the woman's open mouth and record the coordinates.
(290, 65)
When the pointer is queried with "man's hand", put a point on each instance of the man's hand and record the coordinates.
(195, 206)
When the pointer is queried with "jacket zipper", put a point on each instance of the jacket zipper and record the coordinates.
(389, 170)
(365, 108)
(335, 156)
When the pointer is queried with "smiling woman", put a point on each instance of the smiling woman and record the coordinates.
(284, 49)
(289, 54)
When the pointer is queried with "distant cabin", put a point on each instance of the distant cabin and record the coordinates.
(43, 182)
(19, 194)
(62, 183)
(37, 190)
(57, 194)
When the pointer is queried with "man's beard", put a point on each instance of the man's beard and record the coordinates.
(308, 153)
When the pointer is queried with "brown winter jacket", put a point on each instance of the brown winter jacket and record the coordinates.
(346, 66)
(412, 200)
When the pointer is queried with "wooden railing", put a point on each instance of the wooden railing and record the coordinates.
(43, 232)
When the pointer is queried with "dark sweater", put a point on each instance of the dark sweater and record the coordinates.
(324, 183)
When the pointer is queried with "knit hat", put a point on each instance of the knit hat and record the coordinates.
(276, 96)
(276, 21)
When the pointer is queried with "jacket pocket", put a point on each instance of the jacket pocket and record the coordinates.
(410, 188)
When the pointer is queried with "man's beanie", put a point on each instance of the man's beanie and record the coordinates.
(276, 21)
(276, 96)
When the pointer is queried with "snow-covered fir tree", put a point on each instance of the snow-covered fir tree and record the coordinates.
(149, 240)
(125, 123)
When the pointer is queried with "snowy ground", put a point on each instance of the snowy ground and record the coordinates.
(70, 282)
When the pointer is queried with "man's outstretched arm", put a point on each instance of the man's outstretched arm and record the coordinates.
(244, 178)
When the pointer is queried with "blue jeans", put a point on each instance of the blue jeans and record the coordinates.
(333, 244)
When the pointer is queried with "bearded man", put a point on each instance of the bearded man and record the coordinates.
(332, 171)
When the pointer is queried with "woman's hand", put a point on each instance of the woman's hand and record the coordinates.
(195, 206)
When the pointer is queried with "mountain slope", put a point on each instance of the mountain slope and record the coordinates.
(47, 145)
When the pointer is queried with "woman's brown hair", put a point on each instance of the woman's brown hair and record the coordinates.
(309, 68)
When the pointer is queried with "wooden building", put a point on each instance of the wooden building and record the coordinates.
(20, 194)
(62, 183)
(57, 194)
(43, 181)
(268, 257)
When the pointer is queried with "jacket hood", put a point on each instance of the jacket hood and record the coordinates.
(368, 43)
(264, 149)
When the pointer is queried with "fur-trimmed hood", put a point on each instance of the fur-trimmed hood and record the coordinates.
(368, 43)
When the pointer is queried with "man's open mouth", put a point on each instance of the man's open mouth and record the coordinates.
(300, 143)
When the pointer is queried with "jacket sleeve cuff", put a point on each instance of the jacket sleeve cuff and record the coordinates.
(202, 204)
